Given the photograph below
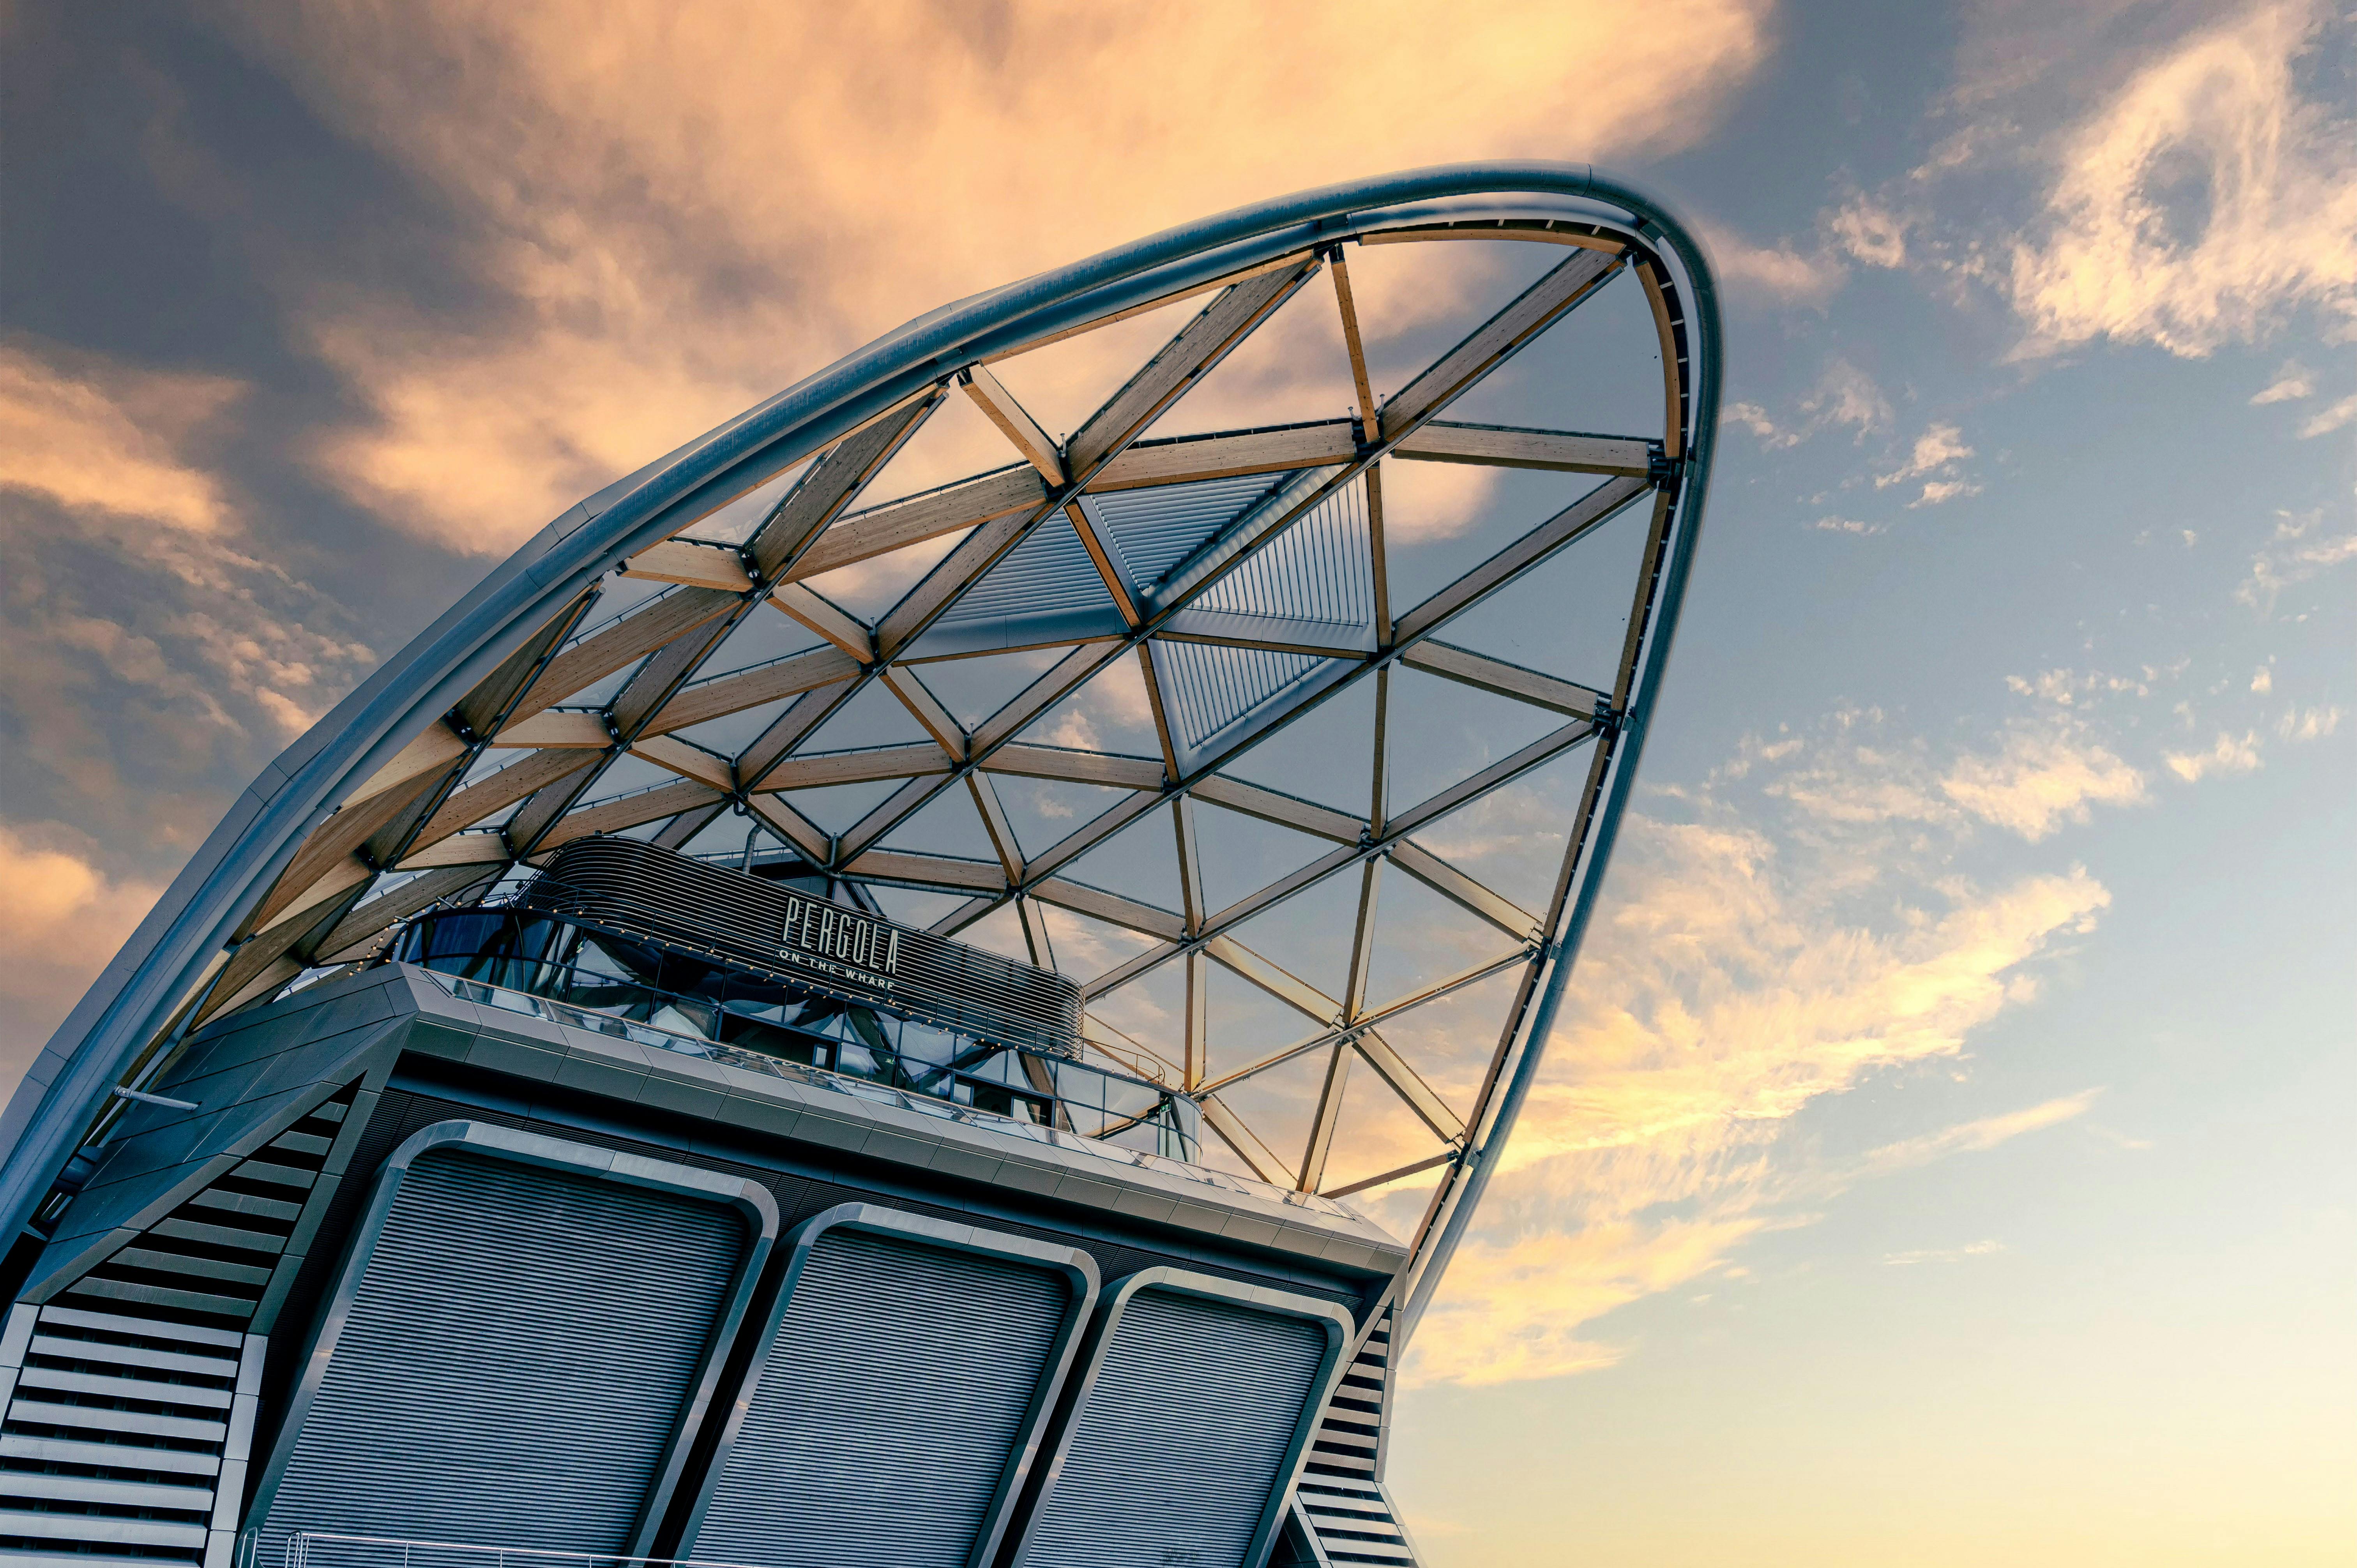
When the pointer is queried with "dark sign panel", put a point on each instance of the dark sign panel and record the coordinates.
(639, 890)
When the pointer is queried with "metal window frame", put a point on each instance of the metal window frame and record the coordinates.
(749, 1199)
(1331, 1317)
(1078, 1269)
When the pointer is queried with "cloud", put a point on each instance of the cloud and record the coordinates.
(1844, 396)
(1944, 1254)
(668, 235)
(2298, 549)
(61, 920)
(2311, 723)
(2201, 201)
(91, 437)
(1870, 232)
(1778, 273)
(1974, 1137)
(2042, 774)
(2293, 381)
(1939, 449)
(1849, 525)
(1751, 959)
(2331, 419)
(2229, 755)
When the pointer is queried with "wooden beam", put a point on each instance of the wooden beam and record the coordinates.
(830, 620)
(1091, 833)
(896, 525)
(1058, 679)
(1199, 1018)
(696, 565)
(998, 405)
(816, 844)
(1418, 1096)
(1464, 892)
(1237, 1135)
(1043, 956)
(1200, 345)
(490, 796)
(832, 484)
(458, 849)
(1075, 766)
(380, 913)
(803, 714)
(623, 642)
(1362, 938)
(1504, 446)
(926, 870)
(1324, 1119)
(1283, 985)
(726, 694)
(927, 710)
(1156, 706)
(815, 770)
(656, 682)
(625, 812)
(1498, 773)
(1415, 1167)
(1190, 861)
(1184, 459)
(1589, 512)
(688, 761)
(1101, 556)
(490, 704)
(1286, 811)
(1379, 560)
(1369, 417)
(435, 745)
(1003, 841)
(556, 729)
(889, 813)
(977, 553)
(686, 825)
(1478, 670)
(1648, 275)
(332, 842)
(1110, 908)
(1490, 345)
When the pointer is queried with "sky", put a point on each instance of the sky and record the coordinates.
(1942, 1157)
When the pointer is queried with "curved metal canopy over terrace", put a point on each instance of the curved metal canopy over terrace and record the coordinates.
(1155, 699)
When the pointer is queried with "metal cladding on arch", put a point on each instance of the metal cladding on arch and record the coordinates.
(1242, 573)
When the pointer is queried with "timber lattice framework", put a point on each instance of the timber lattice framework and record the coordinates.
(1244, 573)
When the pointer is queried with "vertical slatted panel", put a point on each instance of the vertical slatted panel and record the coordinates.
(1317, 570)
(1173, 1455)
(895, 1391)
(1210, 687)
(1156, 528)
(514, 1363)
(1047, 574)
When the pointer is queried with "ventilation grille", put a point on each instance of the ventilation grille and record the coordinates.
(1340, 1498)
(1210, 687)
(1317, 570)
(211, 1261)
(126, 1439)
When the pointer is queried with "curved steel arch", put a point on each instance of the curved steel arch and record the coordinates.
(392, 752)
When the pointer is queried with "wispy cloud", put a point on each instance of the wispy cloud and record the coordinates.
(1944, 1254)
(2297, 550)
(2326, 420)
(94, 436)
(1940, 451)
(2228, 754)
(2293, 381)
(1756, 956)
(2204, 198)
(667, 235)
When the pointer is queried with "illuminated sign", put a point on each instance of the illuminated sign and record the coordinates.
(814, 927)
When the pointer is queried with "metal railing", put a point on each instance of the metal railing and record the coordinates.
(320, 1549)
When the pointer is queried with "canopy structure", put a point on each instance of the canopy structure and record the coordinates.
(827, 633)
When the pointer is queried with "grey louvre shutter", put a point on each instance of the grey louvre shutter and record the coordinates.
(901, 1377)
(514, 1361)
(1188, 1427)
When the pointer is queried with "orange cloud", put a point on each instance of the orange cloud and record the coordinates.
(96, 437)
(61, 920)
(688, 208)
